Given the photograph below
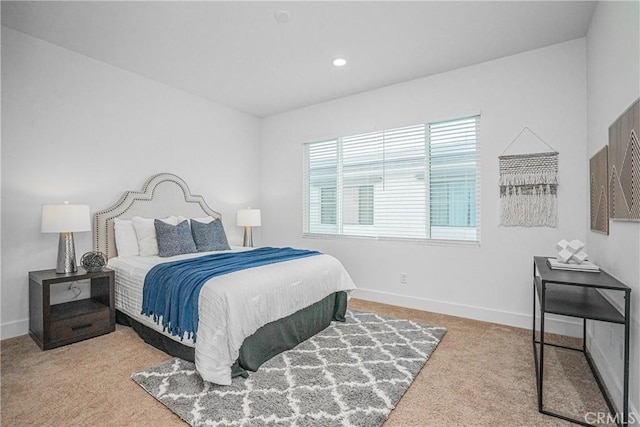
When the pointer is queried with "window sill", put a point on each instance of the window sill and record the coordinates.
(428, 242)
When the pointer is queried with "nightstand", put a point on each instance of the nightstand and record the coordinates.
(60, 324)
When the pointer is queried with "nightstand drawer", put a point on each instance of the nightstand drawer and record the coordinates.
(85, 326)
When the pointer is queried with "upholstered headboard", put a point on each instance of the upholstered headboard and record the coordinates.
(162, 195)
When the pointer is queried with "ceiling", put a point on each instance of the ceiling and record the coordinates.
(237, 54)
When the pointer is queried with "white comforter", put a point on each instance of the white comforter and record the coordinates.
(233, 306)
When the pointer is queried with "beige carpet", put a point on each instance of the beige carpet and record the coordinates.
(480, 374)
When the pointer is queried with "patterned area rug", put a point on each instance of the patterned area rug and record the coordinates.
(350, 374)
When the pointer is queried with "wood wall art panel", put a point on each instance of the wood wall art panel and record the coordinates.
(624, 166)
(599, 200)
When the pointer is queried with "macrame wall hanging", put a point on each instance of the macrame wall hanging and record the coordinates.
(528, 187)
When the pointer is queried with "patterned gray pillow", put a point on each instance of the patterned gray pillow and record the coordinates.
(210, 236)
(174, 239)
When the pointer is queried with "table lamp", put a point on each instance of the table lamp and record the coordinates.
(65, 219)
(248, 218)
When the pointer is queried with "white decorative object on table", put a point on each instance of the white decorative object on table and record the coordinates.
(571, 251)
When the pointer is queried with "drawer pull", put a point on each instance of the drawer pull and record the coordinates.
(83, 326)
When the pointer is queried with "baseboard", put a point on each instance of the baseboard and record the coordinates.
(14, 329)
(558, 325)
(611, 379)
(554, 324)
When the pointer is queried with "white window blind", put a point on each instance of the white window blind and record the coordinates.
(415, 182)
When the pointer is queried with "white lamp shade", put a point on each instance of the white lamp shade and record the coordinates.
(249, 217)
(65, 218)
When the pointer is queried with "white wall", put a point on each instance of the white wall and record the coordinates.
(80, 130)
(543, 89)
(613, 84)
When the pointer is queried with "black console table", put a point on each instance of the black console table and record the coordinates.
(575, 294)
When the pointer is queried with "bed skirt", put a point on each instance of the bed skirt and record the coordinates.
(268, 341)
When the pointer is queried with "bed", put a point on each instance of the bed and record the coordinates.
(244, 317)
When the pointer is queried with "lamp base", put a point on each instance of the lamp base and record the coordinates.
(66, 254)
(248, 237)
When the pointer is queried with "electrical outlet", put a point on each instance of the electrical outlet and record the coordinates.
(403, 278)
(611, 337)
(621, 347)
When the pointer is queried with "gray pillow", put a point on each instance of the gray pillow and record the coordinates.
(174, 239)
(210, 236)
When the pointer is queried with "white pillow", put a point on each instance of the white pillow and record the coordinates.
(126, 240)
(205, 220)
(146, 234)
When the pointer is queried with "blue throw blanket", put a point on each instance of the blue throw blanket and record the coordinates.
(171, 289)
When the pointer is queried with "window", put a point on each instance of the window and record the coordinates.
(328, 205)
(415, 182)
(358, 205)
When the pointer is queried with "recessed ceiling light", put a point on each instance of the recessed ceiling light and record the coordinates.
(282, 15)
(339, 62)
